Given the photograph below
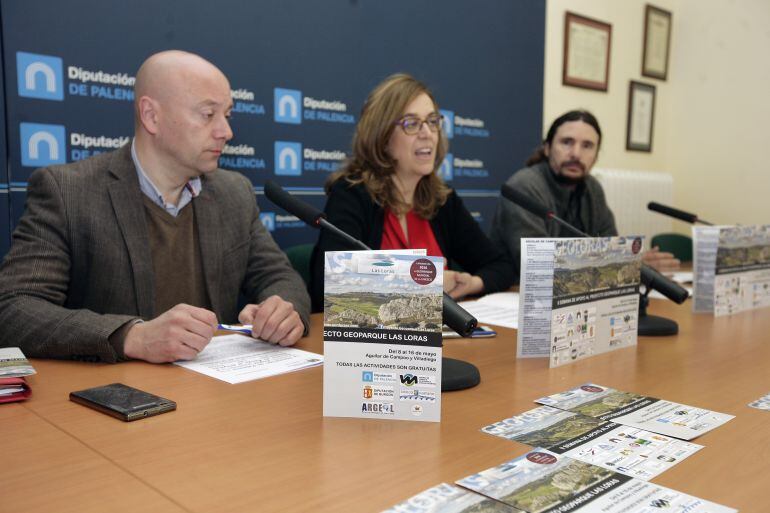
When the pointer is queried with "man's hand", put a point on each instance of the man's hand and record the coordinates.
(660, 260)
(459, 285)
(178, 334)
(273, 320)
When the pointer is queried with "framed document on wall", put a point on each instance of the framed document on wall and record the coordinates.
(657, 40)
(586, 52)
(641, 116)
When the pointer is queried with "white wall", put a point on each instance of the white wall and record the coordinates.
(712, 114)
(720, 110)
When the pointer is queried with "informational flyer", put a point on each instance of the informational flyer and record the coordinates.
(543, 481)
(639, 411)
(382, 335)
(627, 450)
(732, 268)
(579, 297)
(446, 498)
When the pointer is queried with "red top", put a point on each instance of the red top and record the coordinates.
(420, 234)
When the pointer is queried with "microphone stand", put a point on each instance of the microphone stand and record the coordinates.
(653, 325)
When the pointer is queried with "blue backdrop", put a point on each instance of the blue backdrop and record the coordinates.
(300, 71)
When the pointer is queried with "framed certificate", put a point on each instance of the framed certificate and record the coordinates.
(657, 39)
(641, 116)
(586, 52)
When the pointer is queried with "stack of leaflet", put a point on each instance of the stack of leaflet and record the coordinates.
(594, 450)
(14, 366)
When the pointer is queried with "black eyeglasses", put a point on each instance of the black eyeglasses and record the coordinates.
(412, 125)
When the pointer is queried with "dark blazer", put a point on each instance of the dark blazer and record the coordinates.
(80, 264)
(463, 243)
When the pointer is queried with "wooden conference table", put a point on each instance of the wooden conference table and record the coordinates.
(264, 445)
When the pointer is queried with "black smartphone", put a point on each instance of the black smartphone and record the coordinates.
(122, 401)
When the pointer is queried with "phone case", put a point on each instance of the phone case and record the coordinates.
(123, 402)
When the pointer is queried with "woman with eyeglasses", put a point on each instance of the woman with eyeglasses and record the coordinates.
(388, 194)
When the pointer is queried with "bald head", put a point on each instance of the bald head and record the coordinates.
(166, 74)
(182, 107)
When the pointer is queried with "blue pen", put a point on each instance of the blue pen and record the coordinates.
(245, 328)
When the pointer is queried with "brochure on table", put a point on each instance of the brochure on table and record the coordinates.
(631, 451)
(731, 268)
(578, 297)
(446, 498)
(382, 335)
(639, 411)
(543, 481)
(763, 403)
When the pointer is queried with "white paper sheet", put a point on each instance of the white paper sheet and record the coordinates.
(500, 309)
(239, 358)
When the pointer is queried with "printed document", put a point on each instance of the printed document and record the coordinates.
(240, 358)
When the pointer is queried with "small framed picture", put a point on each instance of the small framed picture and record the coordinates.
(586, 52)
(641, 116)
(657, 42)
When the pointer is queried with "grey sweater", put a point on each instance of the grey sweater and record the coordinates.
(583, 206)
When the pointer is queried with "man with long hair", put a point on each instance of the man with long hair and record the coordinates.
(558, 175)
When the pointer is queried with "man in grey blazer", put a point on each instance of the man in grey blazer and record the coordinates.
(138, 253)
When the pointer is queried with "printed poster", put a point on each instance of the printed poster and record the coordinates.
(634, 410)
(382, 335)
(580, 297)
(731, 268)
(627, 450)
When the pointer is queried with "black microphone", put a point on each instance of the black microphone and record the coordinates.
(525, 202)
(676, 213)
(651, 278)
(454, 315)
(305, 211)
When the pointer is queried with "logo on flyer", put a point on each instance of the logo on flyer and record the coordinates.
(380, 377)
(423, 271)
(411, 380)
(384, 408)
(417, 410)
(39, 76)
(378, 392)
(367, 376)
(592, 388)
(417, 394)
(541, 458)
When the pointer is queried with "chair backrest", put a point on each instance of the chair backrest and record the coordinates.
(299, 256)
(676, 243)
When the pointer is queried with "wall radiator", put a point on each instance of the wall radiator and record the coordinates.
(628, 193)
